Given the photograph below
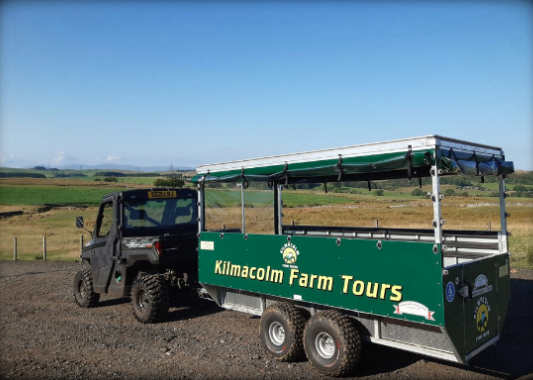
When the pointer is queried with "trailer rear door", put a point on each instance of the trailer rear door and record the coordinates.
(480, 291)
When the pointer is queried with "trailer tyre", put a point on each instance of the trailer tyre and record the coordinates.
(84, 294)
(149, 296)
(332, 343)
(281, 331)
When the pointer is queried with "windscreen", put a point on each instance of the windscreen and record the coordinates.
(158, 213)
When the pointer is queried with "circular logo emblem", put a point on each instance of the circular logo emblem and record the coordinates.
(450, 292)
(290, 253)
(482, 317)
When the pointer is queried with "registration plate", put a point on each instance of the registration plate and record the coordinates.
(161, 194)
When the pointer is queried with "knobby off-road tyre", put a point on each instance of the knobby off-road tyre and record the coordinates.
(84, 294)
(281, 332)
(150, 299)
(332, 343)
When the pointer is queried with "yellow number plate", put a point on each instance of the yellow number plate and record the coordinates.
(161, 194)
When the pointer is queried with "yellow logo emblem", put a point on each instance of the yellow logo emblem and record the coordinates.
(290, 253)
(482, 314)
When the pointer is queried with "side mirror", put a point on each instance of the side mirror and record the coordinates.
(80, 224)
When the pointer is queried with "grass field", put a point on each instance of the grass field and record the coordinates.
(395, 209)
(80, 192)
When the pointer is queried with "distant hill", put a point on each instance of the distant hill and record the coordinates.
(132, 168)
(125, 167)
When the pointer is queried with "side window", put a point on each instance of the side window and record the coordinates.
(106, 221)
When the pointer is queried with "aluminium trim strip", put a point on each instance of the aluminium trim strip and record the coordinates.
(433, 352)
(481, 348)
(243, 309)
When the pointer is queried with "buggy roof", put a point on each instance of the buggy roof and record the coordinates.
(405, 158)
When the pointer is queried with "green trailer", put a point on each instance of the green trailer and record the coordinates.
(322, 288)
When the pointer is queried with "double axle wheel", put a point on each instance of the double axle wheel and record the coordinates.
(281, 331)
(329, 339)
(332, 343)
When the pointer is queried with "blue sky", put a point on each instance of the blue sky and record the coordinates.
(195, 82)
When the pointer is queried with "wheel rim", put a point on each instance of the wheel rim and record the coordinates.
(82, 290)
(276, 332)
(142, 300)
(325, 345)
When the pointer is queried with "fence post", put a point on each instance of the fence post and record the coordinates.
(44, 248)
(81, 245)
(489, 226)
(15, 248)
(377, 223)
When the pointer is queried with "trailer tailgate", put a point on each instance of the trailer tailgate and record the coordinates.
(477, 294)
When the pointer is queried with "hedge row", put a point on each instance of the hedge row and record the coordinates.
(22, 175)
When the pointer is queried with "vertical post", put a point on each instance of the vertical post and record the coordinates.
(279, 208)
(242, 205)
(44, 248)
(435, 198)
(377, 223)
(14, 248)
(81, 244)
(489, 226)
(503, 214)
(201, 207)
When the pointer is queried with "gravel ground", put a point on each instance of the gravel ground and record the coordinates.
(44, 335)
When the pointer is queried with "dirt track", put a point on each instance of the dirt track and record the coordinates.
(45, 335)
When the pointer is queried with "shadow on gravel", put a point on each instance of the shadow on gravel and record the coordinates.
(113, 302)
(190, 305)
(378, 359)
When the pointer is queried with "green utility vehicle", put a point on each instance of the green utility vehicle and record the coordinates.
(144, 244)
(322, 287)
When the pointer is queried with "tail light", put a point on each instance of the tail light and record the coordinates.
(158, 247)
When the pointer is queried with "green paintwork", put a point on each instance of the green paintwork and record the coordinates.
(481, 322)
(504, 287)
(472, 322)
(413, 266)
(453, 308)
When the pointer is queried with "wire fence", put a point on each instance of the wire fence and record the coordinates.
(43, 254)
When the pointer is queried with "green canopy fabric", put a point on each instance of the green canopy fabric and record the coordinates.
(405, 164)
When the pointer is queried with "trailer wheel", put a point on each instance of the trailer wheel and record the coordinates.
(332, 343)
(84, 294)
(281, 331)
(149, 296)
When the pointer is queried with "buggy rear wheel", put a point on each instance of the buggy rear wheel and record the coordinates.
(149, 296)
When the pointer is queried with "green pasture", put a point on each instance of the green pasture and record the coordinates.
(58, 225)
(56, 195)
(291, 198)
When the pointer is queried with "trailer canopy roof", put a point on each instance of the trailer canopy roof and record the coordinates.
(406, 158)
